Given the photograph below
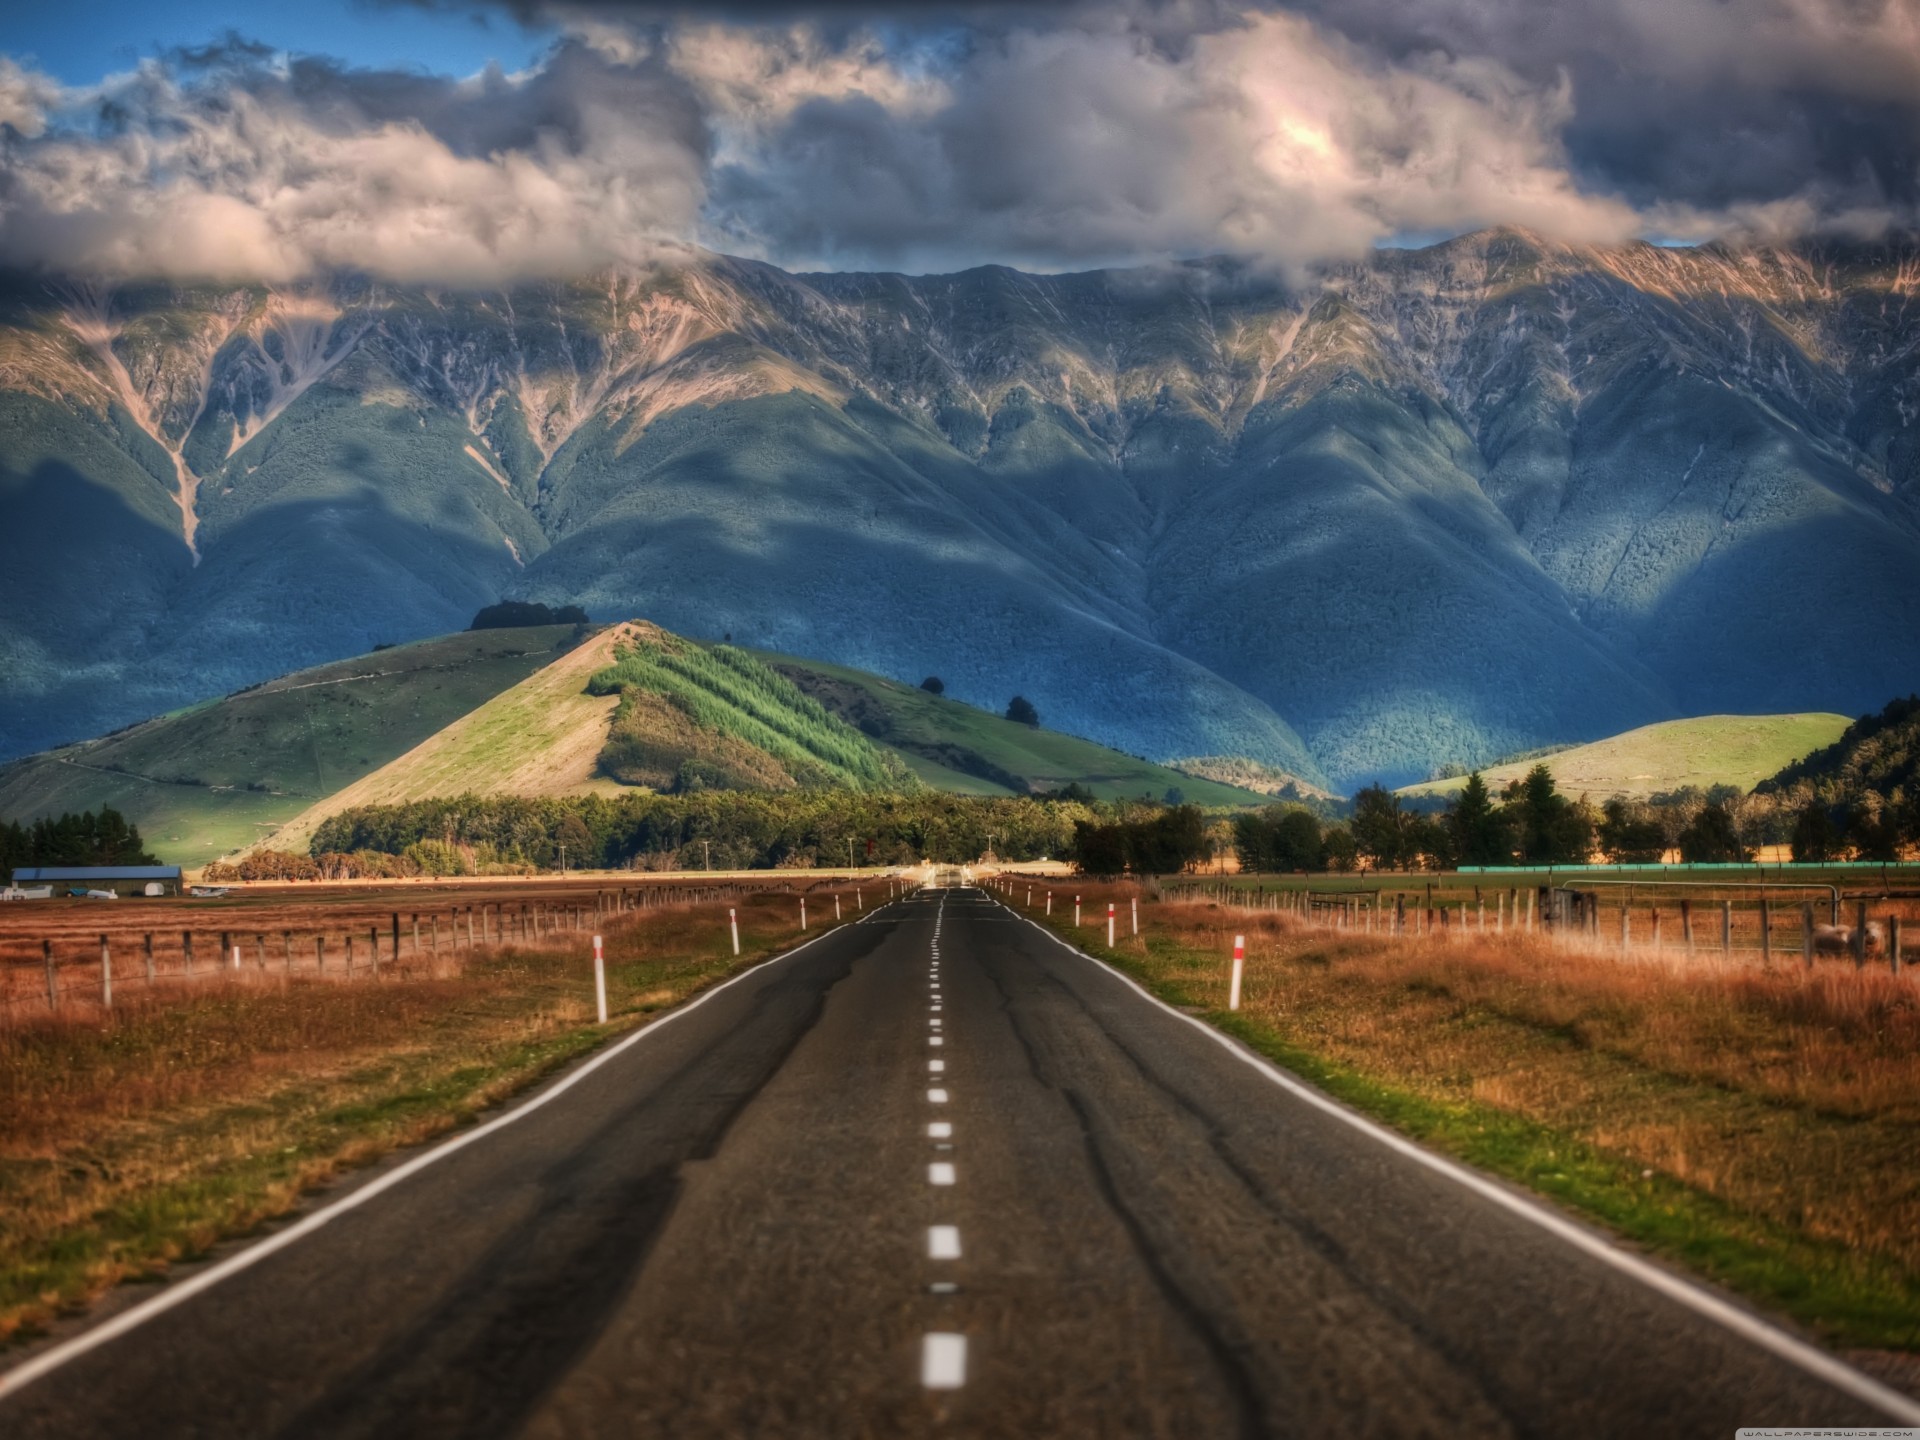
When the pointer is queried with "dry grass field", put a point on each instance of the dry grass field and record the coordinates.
(1758, 1123)
(197, 1110)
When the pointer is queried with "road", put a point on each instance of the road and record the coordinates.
(932, 1174)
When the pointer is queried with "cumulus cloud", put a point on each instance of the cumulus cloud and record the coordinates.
(1045, 134)
(1091, 144)
(271, 173)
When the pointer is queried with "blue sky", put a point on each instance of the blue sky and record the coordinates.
(80, 41)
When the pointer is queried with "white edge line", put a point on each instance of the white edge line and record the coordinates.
(23, 1375)
(1835, 1372)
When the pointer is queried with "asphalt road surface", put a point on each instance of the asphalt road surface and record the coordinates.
(932, 1174)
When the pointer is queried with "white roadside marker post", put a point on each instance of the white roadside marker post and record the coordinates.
(803, 914)
(836, 907)
(1239, 967)
(1136, 914)
(1109, 924)
(1076, 912)
(599, 980)
(1049, 902)
(733, 923)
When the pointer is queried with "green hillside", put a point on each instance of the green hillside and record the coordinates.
(217, 776)
(1737, 750)
(679, 698)
(969, 751)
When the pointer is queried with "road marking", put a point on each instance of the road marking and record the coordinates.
(943, 1242)
(1834, 1372)
(936, 1040)
(943, 1361)
(940, 1172)
(940, 1129)
(943, 1287)
(934, 1067)
(937, 1097)
(25, 1374)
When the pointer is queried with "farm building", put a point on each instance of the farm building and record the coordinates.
(121, 879)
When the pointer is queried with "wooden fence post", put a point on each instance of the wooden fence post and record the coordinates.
(106, 975)
(1726, 927)
(1860, 935)
(1893, 942)
(1686, 924)
(1766, 931)
(186, 950)
(149, 955)
(53, 981)
(373, 943)
(320, 954)
(1806, 933)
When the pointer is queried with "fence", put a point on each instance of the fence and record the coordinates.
(73, 962)
(1761, 921)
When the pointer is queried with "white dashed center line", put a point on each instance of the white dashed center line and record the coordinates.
(939, 1129)
(943, 1362)
(936, 1066)
(936, 1097)
(935, 1040)
(940, 1172)
(943, 1242)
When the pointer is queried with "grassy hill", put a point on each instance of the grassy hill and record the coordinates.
(216, 776)
(957, 747)
(1738, 750)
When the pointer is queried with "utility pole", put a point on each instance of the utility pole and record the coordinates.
(707, 850)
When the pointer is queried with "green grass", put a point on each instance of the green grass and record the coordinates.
(1708, 750)
(214, 777)
(954, 746)
(729, 692)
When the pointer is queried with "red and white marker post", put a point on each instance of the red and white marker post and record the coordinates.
(599, 980)
(1239, 967)
(1109, 924)
(1076, 912)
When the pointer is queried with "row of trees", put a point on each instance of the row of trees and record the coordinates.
(1529, 823)
(724, 829)
(1143, 840)
(106, 838)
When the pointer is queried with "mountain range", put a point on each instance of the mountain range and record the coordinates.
(1438, 505)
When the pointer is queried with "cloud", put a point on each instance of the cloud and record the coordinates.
(271, 173)
(1085, 145)
(943, 135)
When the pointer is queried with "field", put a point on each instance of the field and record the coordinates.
(199, 1109)
(1754, 1123)
(216, 777)
(969, 751)
(1736, 750)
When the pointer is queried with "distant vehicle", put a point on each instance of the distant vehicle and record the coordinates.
(97, 894)
(207, 892)
(26, 892)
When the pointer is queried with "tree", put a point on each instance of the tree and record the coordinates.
(1549, 828)
(1630, 838)
(1174, 796)
(1296, 841)
(1478, 831)
(1337, 848)
(1379, 827)
(1020, 710)
(1815, 837)
(934, 685)
(1430, 838)
(1711, 839)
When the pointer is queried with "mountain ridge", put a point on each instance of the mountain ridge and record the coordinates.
(1441, 504)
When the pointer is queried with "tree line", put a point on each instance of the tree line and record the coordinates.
(106, 838)
(733, 829)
